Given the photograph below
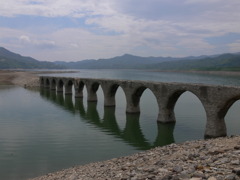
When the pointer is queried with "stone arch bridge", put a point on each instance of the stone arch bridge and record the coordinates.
(216, 100)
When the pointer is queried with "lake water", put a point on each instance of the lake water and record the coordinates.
(41, 131)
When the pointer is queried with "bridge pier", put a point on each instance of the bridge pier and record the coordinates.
(91, 91)
(68, 90)
(215, 125)
(60, 86)
(131, 99)
(78, 86)
(109, 91)
(215, 128)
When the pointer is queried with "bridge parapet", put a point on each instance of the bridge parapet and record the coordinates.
(216, 100)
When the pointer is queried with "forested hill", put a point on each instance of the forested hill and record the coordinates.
(126, 61)
(10, 60)
(215, 62)
(224, 62)
(229, 62)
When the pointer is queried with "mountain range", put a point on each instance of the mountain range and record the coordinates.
(10, 60)
(228, 61)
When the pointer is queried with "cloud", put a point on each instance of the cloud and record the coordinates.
(202, 1)
(83, 29)
(49, 8)
(24, 39)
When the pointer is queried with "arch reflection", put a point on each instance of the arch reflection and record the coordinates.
(131, 133)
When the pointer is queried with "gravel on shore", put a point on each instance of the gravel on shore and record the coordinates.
(213, 159)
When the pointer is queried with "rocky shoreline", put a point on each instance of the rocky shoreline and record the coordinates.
(213, 159)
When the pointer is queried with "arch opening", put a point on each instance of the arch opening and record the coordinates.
(222, 113)
(174, 98)
(190, 116)
(120, 107)
(149, 113)
(100, 102)
(230, 113)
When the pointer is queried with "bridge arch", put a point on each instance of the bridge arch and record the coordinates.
(231, 118)
(174, 97)
(227, 105)
(133, 97)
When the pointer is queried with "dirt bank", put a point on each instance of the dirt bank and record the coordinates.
(20, 78)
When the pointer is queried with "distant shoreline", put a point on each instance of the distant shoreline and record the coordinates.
(229, 73)
(30, 78)
(24, 78)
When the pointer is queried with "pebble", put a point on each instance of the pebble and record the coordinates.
(212, 159)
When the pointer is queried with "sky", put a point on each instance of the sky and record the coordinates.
(74, 30)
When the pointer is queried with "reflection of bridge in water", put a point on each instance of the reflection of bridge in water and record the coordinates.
(131, 133)
(216, 100)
